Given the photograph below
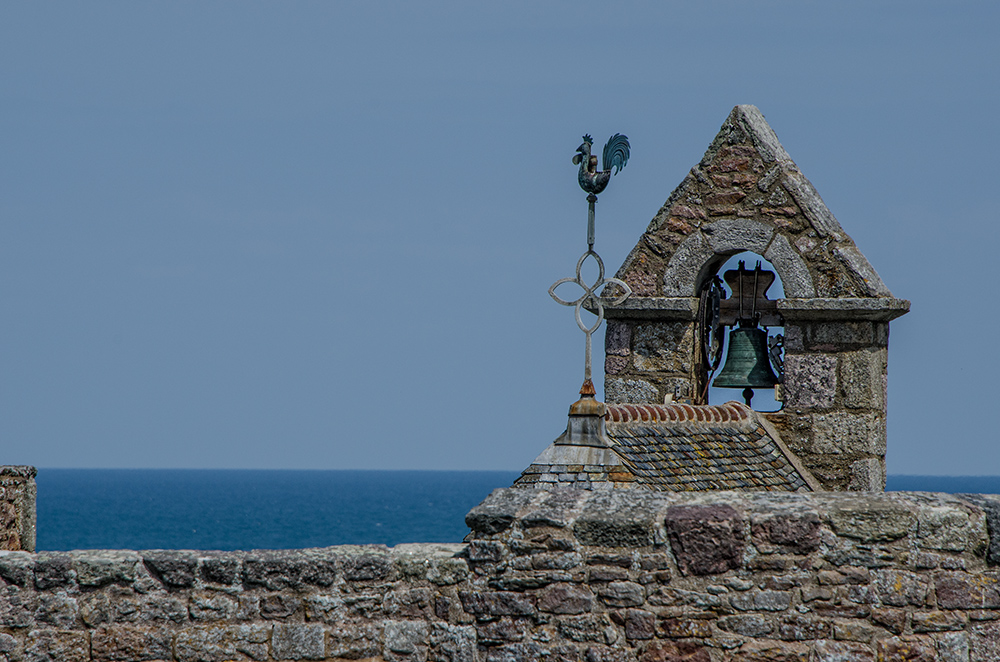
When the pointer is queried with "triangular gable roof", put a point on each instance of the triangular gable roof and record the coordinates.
(748, 194)
(677, 447)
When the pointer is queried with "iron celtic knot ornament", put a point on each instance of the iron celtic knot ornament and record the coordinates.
(590, 298)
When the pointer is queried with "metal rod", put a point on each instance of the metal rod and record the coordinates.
(591, 199)
(586, 369)
(753, 305)
(741, 292)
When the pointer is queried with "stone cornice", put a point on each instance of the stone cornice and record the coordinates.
(877, 309)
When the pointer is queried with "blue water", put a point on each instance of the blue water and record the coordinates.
(949, 484)
(237, 509)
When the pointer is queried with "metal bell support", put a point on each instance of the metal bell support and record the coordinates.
(748, 365)
(748, 362)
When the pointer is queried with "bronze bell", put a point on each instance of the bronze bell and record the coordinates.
(747, 363)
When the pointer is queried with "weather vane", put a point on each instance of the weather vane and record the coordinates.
(593, 181)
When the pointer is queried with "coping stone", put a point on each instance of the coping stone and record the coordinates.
(102, 567)
(499, 510)
(990, 504)
(19, 470)
(680, 308)
(616, 518)
(871, 520)
(878, 309)
(859, 265)
(815, 210)
(763, 136)
(175, 568)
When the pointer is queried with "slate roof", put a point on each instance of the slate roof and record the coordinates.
(710, 447)
(679, 447)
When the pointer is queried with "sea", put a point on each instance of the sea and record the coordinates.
(271, 509)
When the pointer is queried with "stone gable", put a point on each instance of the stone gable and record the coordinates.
(748, 194)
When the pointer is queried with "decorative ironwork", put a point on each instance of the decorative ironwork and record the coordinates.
(775, 352)
(590, 299)
(592, 181)
(711, 331)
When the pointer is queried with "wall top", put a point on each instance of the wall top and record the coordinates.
(746, 194)
(18, 470)
(917, 521)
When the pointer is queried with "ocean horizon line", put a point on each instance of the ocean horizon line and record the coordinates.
(316, 470)
(311, 469)
(229, 509)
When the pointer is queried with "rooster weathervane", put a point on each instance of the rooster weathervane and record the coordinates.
(593, 181)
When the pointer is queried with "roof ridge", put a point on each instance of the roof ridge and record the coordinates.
(730, 412)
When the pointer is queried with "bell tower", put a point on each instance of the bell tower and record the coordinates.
(747, 195)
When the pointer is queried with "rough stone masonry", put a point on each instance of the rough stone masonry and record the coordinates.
(746, 194)
(17, 508)
(562, 575)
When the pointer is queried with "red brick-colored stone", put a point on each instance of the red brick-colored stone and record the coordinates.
(669, 651)
(730, 197)
(675, 224)
(731, 164)
(796, 533)
(770, 651)
(957, 590)
(640, 624)
(683, 211)
(705, 539)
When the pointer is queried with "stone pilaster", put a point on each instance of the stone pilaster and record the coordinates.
(17, 508)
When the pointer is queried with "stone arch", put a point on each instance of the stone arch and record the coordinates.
(703, 252)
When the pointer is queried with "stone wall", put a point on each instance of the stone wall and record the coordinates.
(563, 575)
(17, 508)
(834, 411)
(364, 602)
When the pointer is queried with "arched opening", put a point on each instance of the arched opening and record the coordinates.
(764, 399)
(702, 255)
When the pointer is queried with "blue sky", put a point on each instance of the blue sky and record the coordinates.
(320, 235)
